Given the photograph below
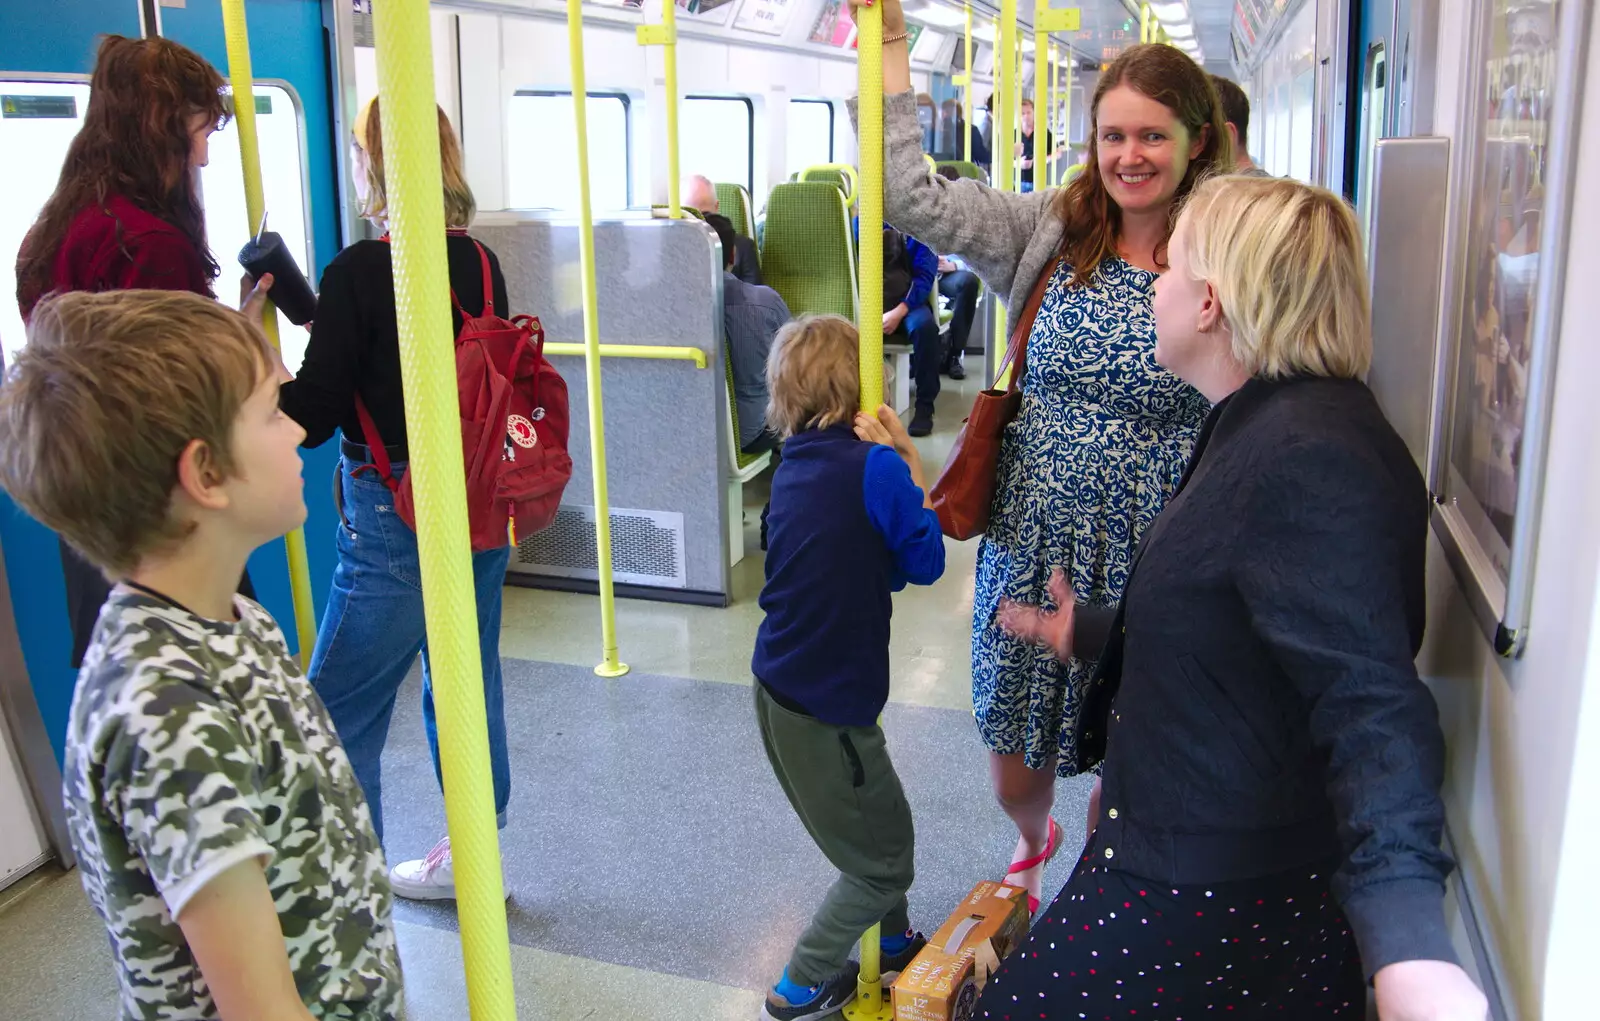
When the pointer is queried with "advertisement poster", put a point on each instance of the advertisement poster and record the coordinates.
(769, 17)
(833, 27)
(706, 12)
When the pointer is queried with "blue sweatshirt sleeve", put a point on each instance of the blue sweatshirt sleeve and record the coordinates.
(924, 271)
(911, 531)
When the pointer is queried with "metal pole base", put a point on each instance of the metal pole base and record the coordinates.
(611, 669)
(872, 1001)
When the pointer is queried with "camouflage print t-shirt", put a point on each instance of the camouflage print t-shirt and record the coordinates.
(195, 745)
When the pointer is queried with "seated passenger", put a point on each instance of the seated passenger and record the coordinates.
(851, 523)
(219, 830)
(751, 316)
(1236, 112)
(909, 271)
(1285, 841)
(699, 193)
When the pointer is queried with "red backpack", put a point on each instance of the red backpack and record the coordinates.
(513, 427)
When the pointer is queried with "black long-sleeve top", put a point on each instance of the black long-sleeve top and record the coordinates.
(1256, 704)
(355, 342)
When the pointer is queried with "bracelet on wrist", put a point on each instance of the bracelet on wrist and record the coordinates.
(900, 36)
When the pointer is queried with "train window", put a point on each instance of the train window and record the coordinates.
(540, 139)
(810, 133)
(717, 137)
(40, 119)
(283, 186)
(1300, 125)
(1374, 99)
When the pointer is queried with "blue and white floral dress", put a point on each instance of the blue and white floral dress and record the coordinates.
(1100, 442)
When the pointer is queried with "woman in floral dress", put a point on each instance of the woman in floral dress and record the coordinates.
(1103, 432)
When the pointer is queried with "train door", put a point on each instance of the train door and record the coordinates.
(45, 58)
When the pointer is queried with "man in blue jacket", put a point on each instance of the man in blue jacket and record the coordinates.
(909, 271)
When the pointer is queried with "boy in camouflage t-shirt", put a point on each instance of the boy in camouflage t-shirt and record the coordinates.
(220, 830)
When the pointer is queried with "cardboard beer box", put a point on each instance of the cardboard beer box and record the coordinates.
(943, 983)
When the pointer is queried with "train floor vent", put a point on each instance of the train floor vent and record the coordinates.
(646, 547)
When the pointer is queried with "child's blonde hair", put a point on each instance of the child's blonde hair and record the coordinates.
(813, 375)
(1287, 262)
(109, 391)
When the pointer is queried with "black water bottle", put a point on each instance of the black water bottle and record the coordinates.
(291, 292)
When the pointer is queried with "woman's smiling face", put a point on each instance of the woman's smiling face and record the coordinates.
(1143, 150)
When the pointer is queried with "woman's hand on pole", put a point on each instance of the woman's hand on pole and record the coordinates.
(1050, 628)
(1428, 991)
(896, 56)
(894, 17)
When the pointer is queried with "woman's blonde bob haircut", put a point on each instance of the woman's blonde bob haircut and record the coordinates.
(813, 375)
(459, 205)
(1286, 261)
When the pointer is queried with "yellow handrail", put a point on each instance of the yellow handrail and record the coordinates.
(870, 1004)
(1041, 109)
(685, 354)
(427, 362)
(1066, 121)
(1051, 164)
(1145, 33)
(244, 112)
(610, 665)
(845, 169)
(665, 35)
(966, 97)
(1003, 174)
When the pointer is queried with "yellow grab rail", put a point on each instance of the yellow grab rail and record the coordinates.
(427, 362)
(870, 1004)
(1145, 31)
(685, 354)
(244, 112)
(610, 665)
(1003, 171)
(966, 83)
(1066, 121)
(665, 35)
(844, 169)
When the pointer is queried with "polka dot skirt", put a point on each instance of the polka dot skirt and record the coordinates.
(1115, 947)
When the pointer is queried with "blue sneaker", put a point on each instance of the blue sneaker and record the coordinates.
(832, 996)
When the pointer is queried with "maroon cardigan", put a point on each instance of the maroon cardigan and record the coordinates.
(118, 247)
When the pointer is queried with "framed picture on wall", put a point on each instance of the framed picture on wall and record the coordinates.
(1487, 470)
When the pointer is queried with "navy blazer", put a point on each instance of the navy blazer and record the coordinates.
(1256, 704)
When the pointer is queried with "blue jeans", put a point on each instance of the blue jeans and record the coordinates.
(373, 629)
(921, 328)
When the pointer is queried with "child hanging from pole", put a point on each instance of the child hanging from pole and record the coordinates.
(850, 524)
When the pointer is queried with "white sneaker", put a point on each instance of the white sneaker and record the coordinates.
(429, 878)
(432, 877)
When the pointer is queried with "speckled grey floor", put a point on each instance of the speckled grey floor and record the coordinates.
(646, 828)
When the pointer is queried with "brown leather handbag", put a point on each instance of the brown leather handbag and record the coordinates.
(965, 489)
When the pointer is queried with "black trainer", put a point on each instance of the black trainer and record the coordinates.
(891, 965)
(835, 994)
(955, 371)
(921, 422)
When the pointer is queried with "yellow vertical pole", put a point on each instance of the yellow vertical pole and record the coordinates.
(427, 362)
(1004, 173)
(1016, 105)
(1041, 103)
(1050, 61)
(1066, 117)
(1144, 23)
(610, 665)
(669, 17)
(870, 1003)
(966, 99)
(244, 113)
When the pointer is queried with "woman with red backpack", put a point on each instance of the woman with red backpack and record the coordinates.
(373, 627)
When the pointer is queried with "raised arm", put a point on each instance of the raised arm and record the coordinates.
(988, 228)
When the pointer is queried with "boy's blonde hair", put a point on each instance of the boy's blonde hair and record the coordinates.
(1287, 262)
(109, 391)
(459, 205)
(813, 375)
